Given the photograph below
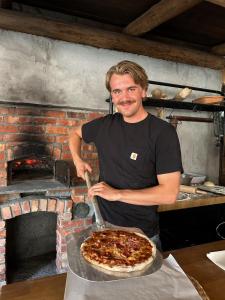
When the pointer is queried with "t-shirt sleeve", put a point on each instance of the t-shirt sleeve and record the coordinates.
(168, 153)
(91, 129)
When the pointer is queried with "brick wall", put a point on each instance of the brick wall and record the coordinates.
(36, 127)
(46, 129)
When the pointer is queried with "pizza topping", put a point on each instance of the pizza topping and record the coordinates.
(117, 248)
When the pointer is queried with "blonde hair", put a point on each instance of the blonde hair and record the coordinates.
(128, 67)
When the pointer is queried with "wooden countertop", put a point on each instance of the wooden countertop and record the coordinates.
(203, 201)
(193, 260)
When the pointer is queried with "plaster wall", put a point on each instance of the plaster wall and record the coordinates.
(45, 71)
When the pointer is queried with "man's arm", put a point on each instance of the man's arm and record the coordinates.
(75, 137)
(164, 193)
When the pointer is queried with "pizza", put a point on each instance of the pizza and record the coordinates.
(118, 250)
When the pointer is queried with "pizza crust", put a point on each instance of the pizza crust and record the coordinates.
(124, 269)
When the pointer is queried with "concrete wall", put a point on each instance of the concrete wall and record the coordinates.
(45, 71)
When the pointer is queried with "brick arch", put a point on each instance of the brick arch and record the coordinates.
(65, 225)
(26, 205)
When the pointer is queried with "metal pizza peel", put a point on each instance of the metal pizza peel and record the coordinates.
(82, 276)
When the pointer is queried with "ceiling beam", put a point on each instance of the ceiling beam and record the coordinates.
(81, 34)
(218, 2)
(158, 14)
(5, 3)
(219, 49)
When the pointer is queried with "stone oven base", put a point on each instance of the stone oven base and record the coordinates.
(65, 224)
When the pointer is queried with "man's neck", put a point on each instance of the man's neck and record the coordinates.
(137, 117)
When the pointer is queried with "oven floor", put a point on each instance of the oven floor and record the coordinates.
(31, 268)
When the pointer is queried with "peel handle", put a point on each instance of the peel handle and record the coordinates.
(99, 220)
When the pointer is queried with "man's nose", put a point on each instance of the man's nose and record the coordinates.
(125, 94)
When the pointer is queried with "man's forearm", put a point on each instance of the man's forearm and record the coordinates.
(149, 196)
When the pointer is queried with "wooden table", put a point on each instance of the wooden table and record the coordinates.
(193, 260)
(202, 201)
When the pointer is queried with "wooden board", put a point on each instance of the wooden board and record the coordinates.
(209, 100)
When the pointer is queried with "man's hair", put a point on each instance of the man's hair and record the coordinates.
(128, 67)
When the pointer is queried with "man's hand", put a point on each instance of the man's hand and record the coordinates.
(82, 167)
(105, 191)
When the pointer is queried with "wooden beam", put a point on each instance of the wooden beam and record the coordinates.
(219, 49)
(5, 3)
(81, 34)
(158, 14)
(218, 2)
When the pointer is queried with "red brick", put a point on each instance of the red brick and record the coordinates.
(3, 174)
(76, 115)
(6, 213)
(86, 147)
(2, 155)
(62, 122)
(51, 205)
(80, 190)
(49, 138)
(18, 120)
(56, 130)
(94, 115)
(3, 165)
(2, 233)
(68, 205)
(25, 205)
(74, 123)
(65, 216)
(65, 148)
(55, 114)
(33, 111)
(77, 198)
(72, 224)
(8, 129)
(60, 205)
(31, 129)
(88, 221)
(2, 147)
(2, 250)
(7, 110)
(57, 153)
(16, 210)
(44, 121)
(3, 182)
(43, 205)
(34, 205)
(61, 139)
(89, 155)
(66, 156)
(2, 224)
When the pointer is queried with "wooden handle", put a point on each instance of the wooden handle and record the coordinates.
(188, 189)
(191, 190)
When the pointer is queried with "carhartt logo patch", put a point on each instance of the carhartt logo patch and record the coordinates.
(133, 156)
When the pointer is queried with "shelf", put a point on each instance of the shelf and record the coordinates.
(182, 105)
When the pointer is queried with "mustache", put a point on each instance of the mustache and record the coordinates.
(123, 102)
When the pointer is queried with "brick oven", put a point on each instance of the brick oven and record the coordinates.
(37, 172)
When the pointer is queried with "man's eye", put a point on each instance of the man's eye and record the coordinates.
(131, 89)
(116, 92)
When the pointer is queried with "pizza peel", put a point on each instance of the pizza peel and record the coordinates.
(79, 268)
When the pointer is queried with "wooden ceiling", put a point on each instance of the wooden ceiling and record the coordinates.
(189, 31)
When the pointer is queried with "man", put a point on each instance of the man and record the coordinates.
(139, 154)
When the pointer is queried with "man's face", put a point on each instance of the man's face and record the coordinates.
(127, 95)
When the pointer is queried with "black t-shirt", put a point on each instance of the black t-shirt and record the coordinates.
(131, 155)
